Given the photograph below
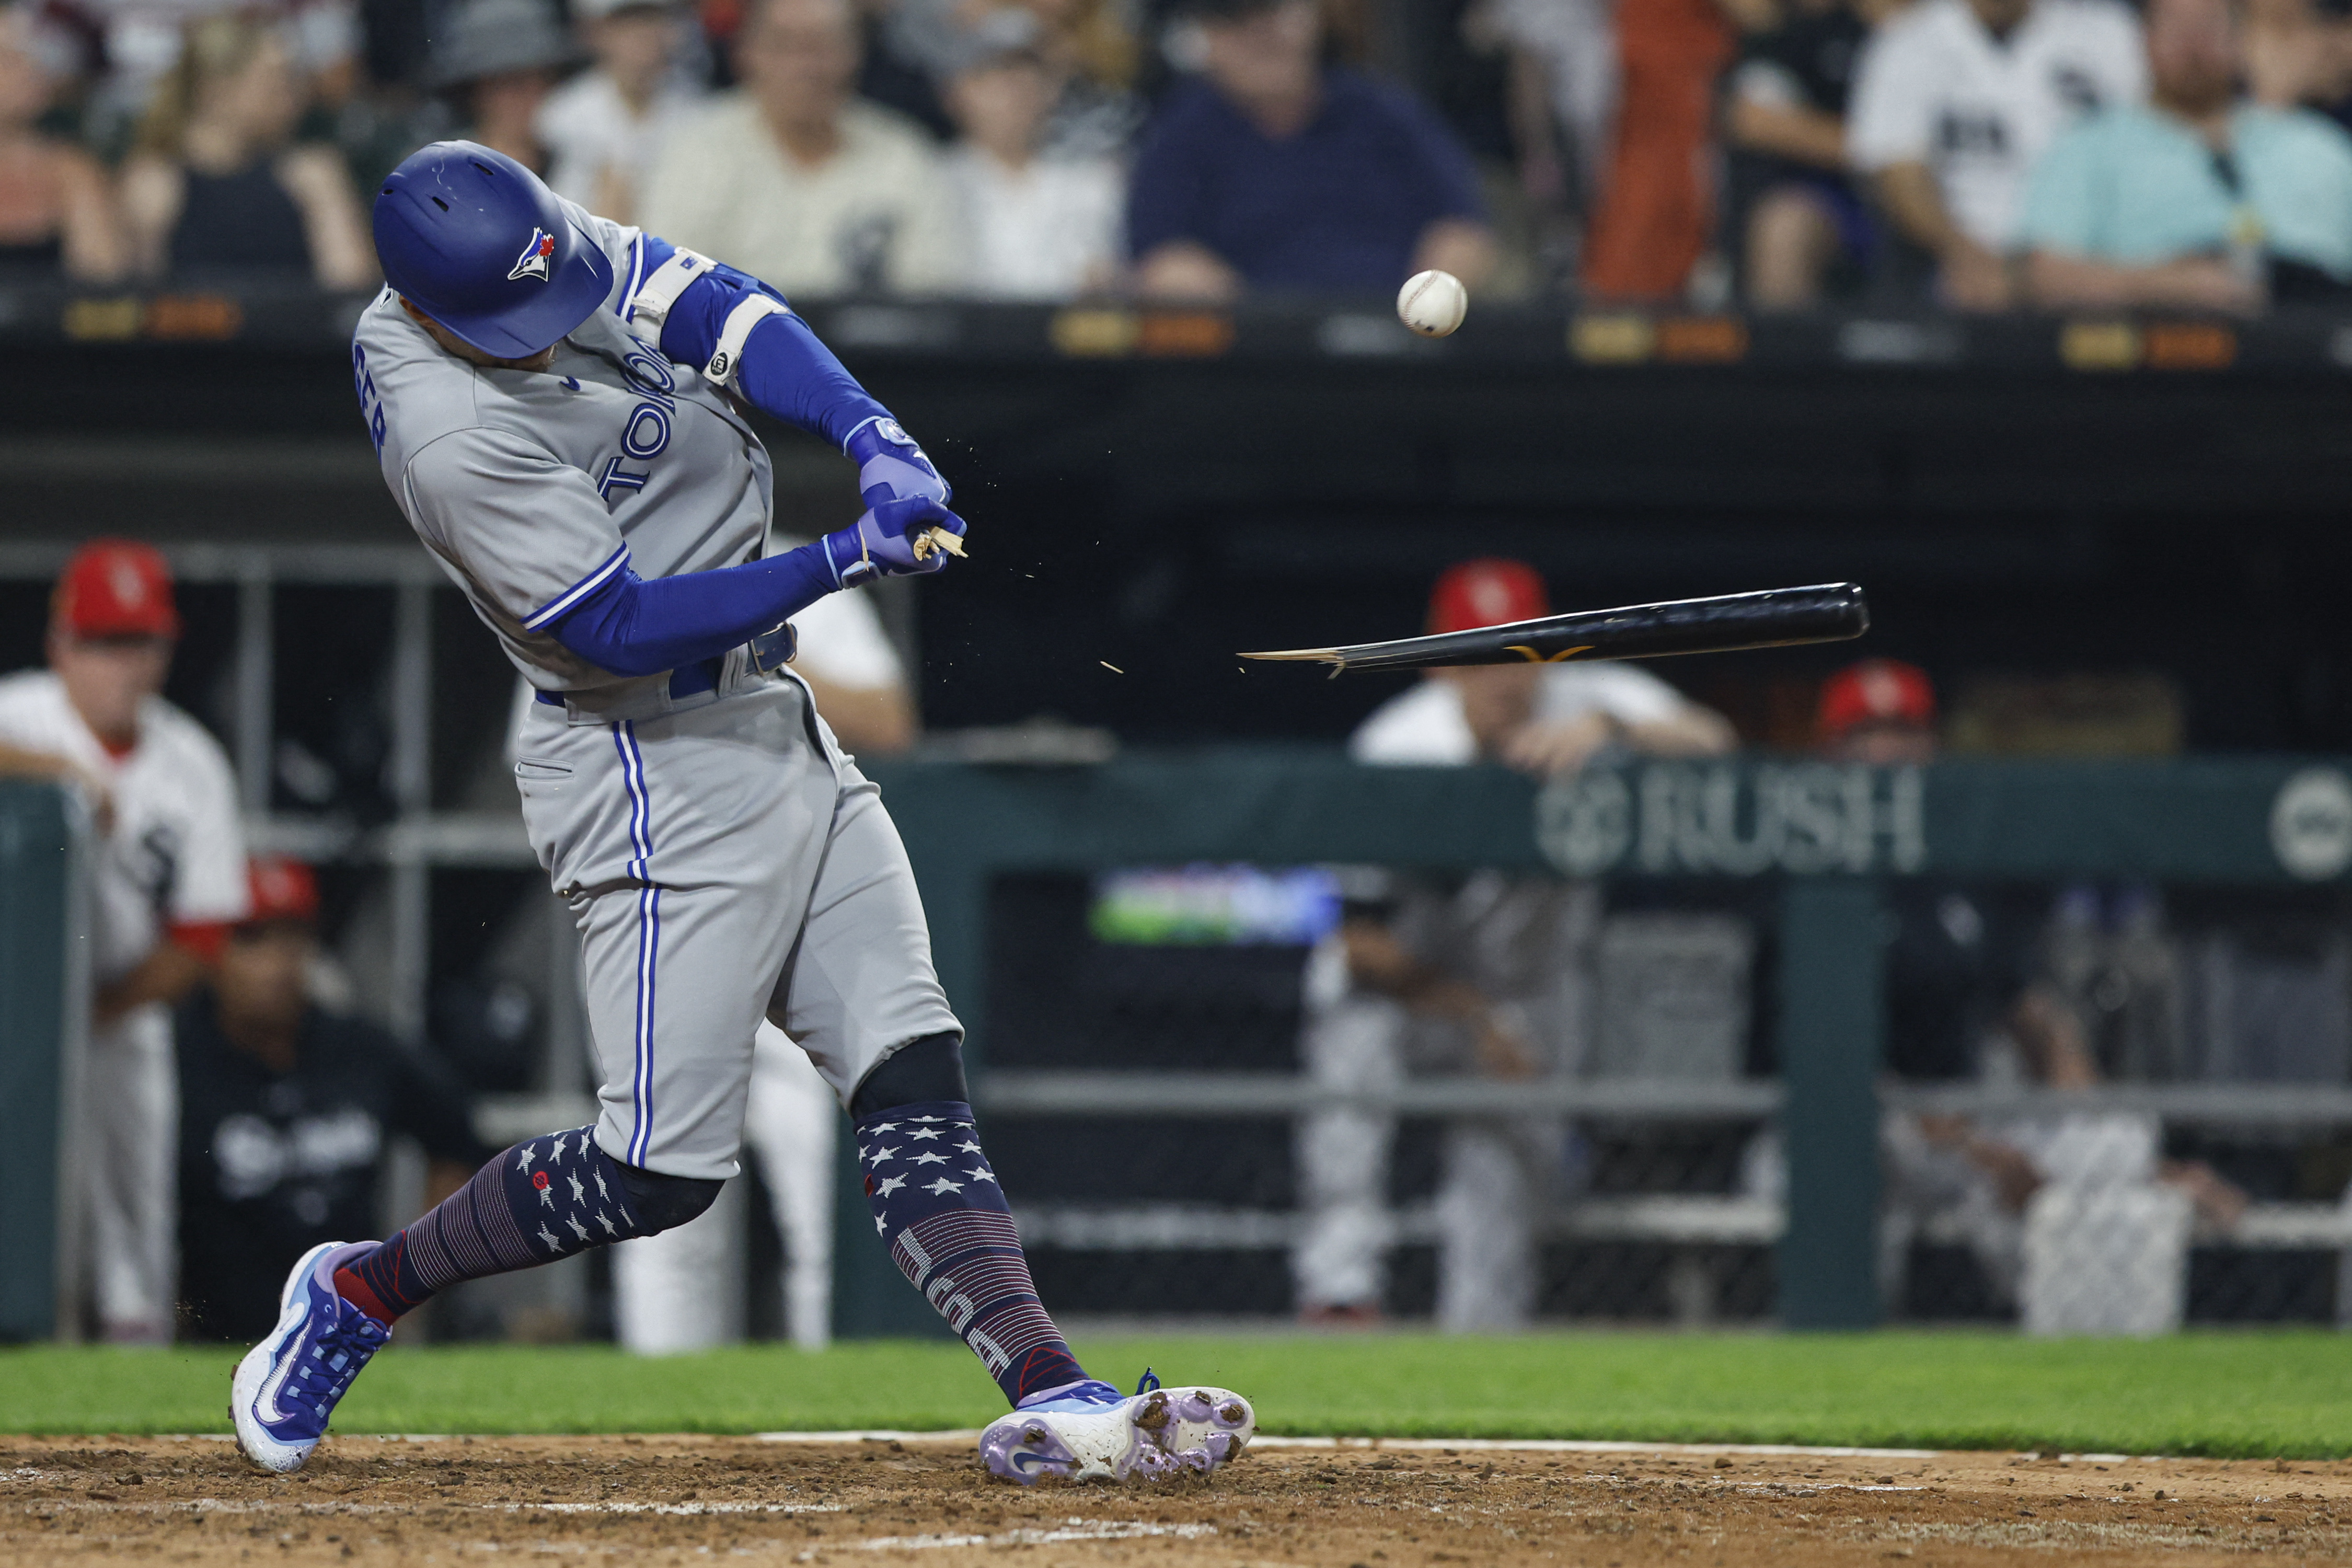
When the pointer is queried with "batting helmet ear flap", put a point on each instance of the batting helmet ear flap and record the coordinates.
(478, 243)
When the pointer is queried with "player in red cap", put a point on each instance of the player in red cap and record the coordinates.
(167, 876)
(1881, 711)
(1483, 976)
(1542, 719)
(286, 1111)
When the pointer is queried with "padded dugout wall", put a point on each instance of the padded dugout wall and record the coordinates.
(43, 1011)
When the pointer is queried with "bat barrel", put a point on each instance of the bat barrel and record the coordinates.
(1777, 617)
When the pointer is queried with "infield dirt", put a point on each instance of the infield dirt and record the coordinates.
(664, 1500)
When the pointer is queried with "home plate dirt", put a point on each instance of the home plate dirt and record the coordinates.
(698, 1499)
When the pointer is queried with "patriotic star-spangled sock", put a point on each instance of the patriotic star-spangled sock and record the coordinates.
(543, 1199)
(949, 1230)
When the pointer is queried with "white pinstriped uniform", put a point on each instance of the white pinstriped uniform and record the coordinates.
(724, 861)
(174, 853)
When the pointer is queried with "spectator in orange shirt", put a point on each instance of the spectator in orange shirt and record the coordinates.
(1657, 207)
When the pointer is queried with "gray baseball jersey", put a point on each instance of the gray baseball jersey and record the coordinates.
(532, 489)
(723, 860)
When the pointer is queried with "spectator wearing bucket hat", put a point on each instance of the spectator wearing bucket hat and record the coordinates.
(496, 61)
(604, 127)
(166, 877)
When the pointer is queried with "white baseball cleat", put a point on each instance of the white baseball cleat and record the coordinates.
(1090, 1431)
(286, 1386)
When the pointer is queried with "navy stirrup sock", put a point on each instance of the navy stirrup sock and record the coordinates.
(951, 1232)
(543, 1199)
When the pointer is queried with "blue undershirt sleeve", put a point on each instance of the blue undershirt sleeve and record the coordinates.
(786, 369)
(632, 627)
(635, 626)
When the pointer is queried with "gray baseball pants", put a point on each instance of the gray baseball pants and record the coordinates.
(724, 864)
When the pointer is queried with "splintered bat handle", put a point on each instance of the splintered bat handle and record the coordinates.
(932, 538)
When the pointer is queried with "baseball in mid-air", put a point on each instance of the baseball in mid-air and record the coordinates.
(1433, 303)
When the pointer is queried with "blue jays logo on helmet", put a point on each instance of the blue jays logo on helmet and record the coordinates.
(445, 222)
(532, 262)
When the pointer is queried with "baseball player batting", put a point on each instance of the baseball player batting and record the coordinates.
(557, 403)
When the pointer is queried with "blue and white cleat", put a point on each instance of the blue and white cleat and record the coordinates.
(287, 1385)
(1090, 1431)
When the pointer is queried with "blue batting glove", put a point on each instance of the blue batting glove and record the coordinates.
(891, 466)
(882, 543)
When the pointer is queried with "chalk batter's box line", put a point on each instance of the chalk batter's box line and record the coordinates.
(1511, 1445)
(1505, 1444)
(1477, 1445)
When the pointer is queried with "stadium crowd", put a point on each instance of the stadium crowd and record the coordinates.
(1985, 154)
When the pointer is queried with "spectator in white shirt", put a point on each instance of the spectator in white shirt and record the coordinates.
(1034, 226)
(798, 182)
(1953, 102)
(603, 128)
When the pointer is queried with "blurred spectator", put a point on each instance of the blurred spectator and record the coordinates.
(1036, 225)
(1096, 113)
(167, 875)
(2197, 199)
(497, 62)
(285, 1113)
(1277, 173)
(133, 44)
(1563, 85)
(1954, 99)
(604, 127)
(1484, 977)
(895, 69)
(2299, 52)
(57, 206)
(796, 181)
(1784, 118)
(1657, 203)
(1088, 55)
(218, 187)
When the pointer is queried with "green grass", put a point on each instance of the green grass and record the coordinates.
(2214, 1394)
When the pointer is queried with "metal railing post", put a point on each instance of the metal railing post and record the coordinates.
(1832, 986)
(411, 785)
(255, 718)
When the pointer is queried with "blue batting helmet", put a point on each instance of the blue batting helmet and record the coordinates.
(478, 243)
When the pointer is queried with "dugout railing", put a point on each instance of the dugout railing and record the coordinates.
(1825, 836)
(234, 596)
(1821, 837)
